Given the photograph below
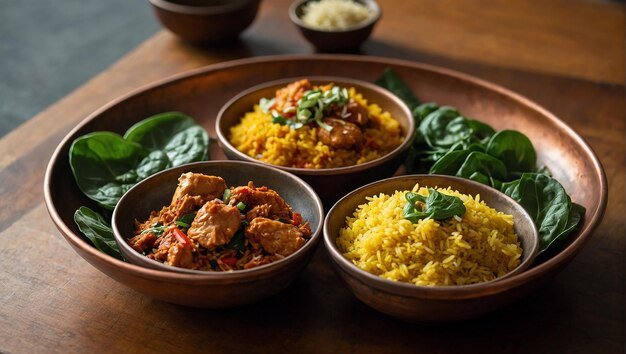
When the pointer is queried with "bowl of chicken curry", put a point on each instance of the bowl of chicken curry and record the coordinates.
(238, 230)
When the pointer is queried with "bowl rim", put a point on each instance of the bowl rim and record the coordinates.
(406, 143)
(440, 292)
(92, 255)
(123, 244)
(219, 9)
(370, 4)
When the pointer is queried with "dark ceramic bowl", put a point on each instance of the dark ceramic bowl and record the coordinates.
(329, 183)
(218, 289)
(337, 40)
(206, 22)
(430, 304)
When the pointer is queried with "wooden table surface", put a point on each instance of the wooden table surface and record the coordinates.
(566, 55)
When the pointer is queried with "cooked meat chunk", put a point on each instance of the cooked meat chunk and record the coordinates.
(262, 210)
(274, 236)
(214, 224)
(305, 229)
(197, 184)
(171, 251)
(356, 113)
(142, 242)
(343, 135)
(183, 205)
(180, 256)
(162, 246)
(254, 197)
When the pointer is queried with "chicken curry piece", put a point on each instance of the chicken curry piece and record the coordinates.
(208, 226)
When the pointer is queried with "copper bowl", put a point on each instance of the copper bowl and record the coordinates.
(206, 22)
(430, 304)
(329, 183)
(201, 93)
(337, 40)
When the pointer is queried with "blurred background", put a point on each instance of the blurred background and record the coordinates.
(49, 48)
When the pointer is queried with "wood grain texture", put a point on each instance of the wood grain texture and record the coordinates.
(53, 301)
(582, 39)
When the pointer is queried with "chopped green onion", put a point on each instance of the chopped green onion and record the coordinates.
(181, 224)
(157, 230)
(241, 206)
(310, 107)
(226, 196)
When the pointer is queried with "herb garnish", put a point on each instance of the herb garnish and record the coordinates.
(185, 220)
(226, 196)
(238, 242)
(437, 206)
(157, 229)
(310, 108)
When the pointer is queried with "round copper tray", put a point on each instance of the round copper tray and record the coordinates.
(202, 92)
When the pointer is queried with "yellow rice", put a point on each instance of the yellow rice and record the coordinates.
(477, 247)
(281, 145)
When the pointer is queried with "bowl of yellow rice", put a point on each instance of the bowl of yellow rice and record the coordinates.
(335, 133)
(431, 248)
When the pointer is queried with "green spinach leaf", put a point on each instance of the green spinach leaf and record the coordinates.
(175, 134)
(478, 166)
(452, 161)
(106, 165)
(437, 206)
(576, 214)
(514, 149)
(435, 127)
(97, 230)
(422, 111)
(545, 199)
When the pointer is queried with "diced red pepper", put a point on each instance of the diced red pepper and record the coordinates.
(181, 237)
(372, 144)
(297, 219)
(231, 261)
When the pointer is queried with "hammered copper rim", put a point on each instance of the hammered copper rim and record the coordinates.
(563, 257)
